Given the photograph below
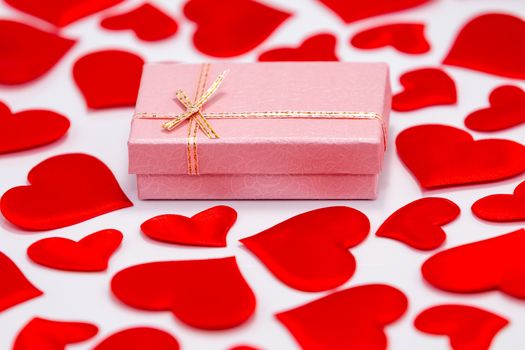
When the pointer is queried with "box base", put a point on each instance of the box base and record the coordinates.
(250, 186)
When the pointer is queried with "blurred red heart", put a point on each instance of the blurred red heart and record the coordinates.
(206, 294)
(405, 37)
(424, 88)
(146, 21)
(90, 254)
(207, 228)
(491, 43)
(320, 47)
(241, 26)
(45, 334)
(502, 207)
(27, 52)
(16, 288)
(441, 155)
(139, 338)
(109, 78)
(467, 327)
(507, 109)
(63, 190)
(309, 251)
(353, 318)
(418, 223)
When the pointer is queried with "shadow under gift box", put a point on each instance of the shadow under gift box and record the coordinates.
(262, 158)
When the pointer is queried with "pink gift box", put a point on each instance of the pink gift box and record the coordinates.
(327, 154)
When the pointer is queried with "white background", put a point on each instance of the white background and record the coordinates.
(86, 297)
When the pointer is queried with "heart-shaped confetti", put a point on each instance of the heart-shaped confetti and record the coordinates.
(207, 294)
(207, 228)
(309, 251)
(502, 207)
(90, 254)
(440, 156)
(27, 52)
(64, 190)
(241, 26)
(15, 288)
(492, 264)
(29, 129)
(109, 78)
(320, 47)
(424, 88)
(139, 338)
(353, 318)
(404, 37)
(507, 109)
(418, 223)
(491, 43)
(467, 327)
(44, 334)
(147, 22)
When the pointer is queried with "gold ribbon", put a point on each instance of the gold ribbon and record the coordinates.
(199, 120)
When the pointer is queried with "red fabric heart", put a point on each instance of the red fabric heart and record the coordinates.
(16, 288)
(206, 294)
(45, 334)
(405, 37)
(244, 347)
(147, 22)
(354, 10)
(60, 12)
(27, 52)
(353, 318)
(492, 264)
(90, 254)
(320, 47)
(418, 223)
(207, 228)
(20, 131)
(64, 190)
(241, 26)
(108, 78)
(507, 109)
(502, 207)
(491, 43)
(424, 88)
(309, 251)
(440, 155)
(139, 338)
(467, 327)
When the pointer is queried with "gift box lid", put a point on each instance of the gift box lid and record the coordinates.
(282, 145)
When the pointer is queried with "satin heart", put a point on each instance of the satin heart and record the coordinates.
(353, 318)
(108, 78)
(492, 264)
(206, 294)
(354, 10)
(146, 21)
(45, 334)
(27, 52)
(507, 109)
(418, 223)
(241, 26)
(491, 43)
(207, 228)
(60, 12)
(502, 207)
(64, 190)
(405, 37)
(320, 47)
(15, 287)
(309, 251)
(90, 254)
(440, 156)
(139, 338)
(424, 88)
(467, 327)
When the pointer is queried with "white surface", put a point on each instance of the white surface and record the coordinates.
(87, 297)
